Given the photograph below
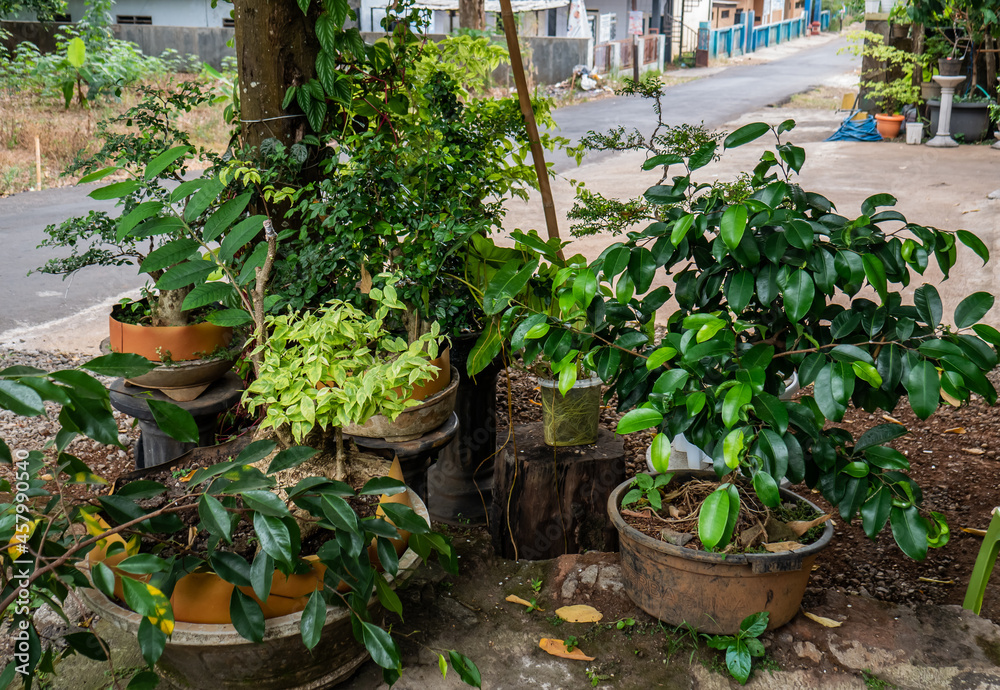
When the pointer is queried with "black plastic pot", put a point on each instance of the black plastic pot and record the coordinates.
(971, 120)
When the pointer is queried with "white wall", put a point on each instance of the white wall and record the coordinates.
(165, 12)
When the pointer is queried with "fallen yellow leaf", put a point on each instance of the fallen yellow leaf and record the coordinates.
(950, 399)
(827, 622)
(954, 430)
(514, 599)
(558, 648)
(187, 477)
(936, 582)
(579, 613)
(892, 419)
(975, 532)
(974, 451)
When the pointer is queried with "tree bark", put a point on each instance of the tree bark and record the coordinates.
(276, 47)
(472, 14)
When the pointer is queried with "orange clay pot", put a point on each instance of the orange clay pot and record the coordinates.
(204, 597)
(440, 380)
(177, 343)
(888, 126)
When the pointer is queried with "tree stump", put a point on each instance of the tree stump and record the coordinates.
(551, 501)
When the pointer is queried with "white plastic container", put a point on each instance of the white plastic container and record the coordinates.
(914, 133)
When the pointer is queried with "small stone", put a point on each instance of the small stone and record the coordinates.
(807, 650)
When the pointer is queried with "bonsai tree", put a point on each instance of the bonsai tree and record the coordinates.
(51, 532)
(769, 280)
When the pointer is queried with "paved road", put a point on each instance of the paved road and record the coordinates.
(27, 301)
(716, 99)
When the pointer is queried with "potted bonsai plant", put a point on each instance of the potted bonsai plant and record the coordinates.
(888, 82)
(241, 519)
(185, 234)
(766, 281)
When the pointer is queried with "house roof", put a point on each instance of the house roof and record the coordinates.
(493, 5)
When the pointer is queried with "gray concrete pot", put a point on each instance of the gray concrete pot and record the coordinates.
(216, 657)
(412, 422)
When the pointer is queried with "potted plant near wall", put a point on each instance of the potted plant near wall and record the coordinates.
(241, 529)
(767, 279)
(184, 234)
(889, 85)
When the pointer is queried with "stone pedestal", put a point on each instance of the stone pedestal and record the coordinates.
(943, 138)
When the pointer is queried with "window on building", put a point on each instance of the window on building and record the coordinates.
(134, 19)
(62, 18)
(739, 17)
(725, 14)
(229, 23)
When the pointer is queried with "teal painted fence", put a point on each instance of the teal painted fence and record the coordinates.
(732, 40)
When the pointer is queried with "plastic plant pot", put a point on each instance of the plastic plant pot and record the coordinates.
(571, 420)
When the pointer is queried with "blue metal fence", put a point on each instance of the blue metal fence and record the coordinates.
(746, 38)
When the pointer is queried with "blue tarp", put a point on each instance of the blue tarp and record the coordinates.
(856, 130)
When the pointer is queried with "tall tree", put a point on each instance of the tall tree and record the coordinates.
(45, 10)
(472, 14)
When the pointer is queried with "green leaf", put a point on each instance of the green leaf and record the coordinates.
(732, 448)
(231, 567)
(909, 530)
(76, 52)
(799, 234)
(219, 221)
(124, 364)
(186, 189)
(973, 308)
(770, 409)
(733, 225)
(340, 514)
(928, 303)
(165, 160)
(143, 680)
(746, 134)
(713, 517)
(736, 397)
(239, 236)
(201, 200)
(680, 228)
(143, 211)
(151, 641)
(660, 452)
(875, 512)
(290, 457)
(739, 291)
(169, 254)
(143, 564)
(208, 293)
(246, 615)
(641, 268)
(875, 272)
(442, 666)
(975, 244)
(115, 190)
(174, 421)
(261, 575)
(465, 669)
(738, 661)
(104, 579)
(215, 517)
(275, 539)
(381, 646)
(185, 274)
(313, 619)
(506, 284)
(799, 293)
(831, 408)
(923, 387)
(886, 458)
(229, 317)
(584, 287)
(99, 175)
(387, 596)
(264, 502)
(638, 419)
(661, 159)
(879, 436)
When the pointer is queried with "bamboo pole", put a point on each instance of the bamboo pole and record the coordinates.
(524, 98)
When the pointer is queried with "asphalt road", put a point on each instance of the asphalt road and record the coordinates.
(26, 301)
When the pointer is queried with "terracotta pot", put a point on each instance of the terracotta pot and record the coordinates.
(216, 657)
(889, 125)
(713, 592)
(204, 597)
(179, 343)
(440, 380)
(413, 422)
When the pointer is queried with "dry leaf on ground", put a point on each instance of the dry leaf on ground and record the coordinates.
(827, 622)
(514, 599)
(579, 613)
(974, 531)
(974, 451)
(558, 648)
(637, 513)
(954, 430)
(892, 419)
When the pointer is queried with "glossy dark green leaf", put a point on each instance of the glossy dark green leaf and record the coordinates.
(887, 458)
(738, 661)
(585, 287)
(875, 272)
(799, 234)
(909, 530)
(975, 244)
(712, 518)
(231, 567)
(799, 293)
(340, 514)
(103, 578)
(875, 512)
(486, 349)
(661, 159)
(174, 421)
(20, 399)
(289, 458)
(775, 454)
(746, 134)
(739, 290)
(831, 407)
(928, 303)
(405, 518)
(879, 435)
(123, 364)
(973, 308)
(796, 459)
(387, 596)
(274, 537)
(661, 194)
(849, 266)
(246, 615)
(771, 410)
(142, 564)
(506, 284)
(766, 489)
(736, 397)
(87, 644)
(229, 318)
(152, 641)
(115, 190)
(264, 502)
(143, 680)
(313, 619)
(261, 575)
(733, 225)
(923, 388)
(638, 420)
(641, 268)
(465, 669)
(380, 645)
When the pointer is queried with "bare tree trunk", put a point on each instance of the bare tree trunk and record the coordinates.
(276, 47)
(472, 14)
(167, 310)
